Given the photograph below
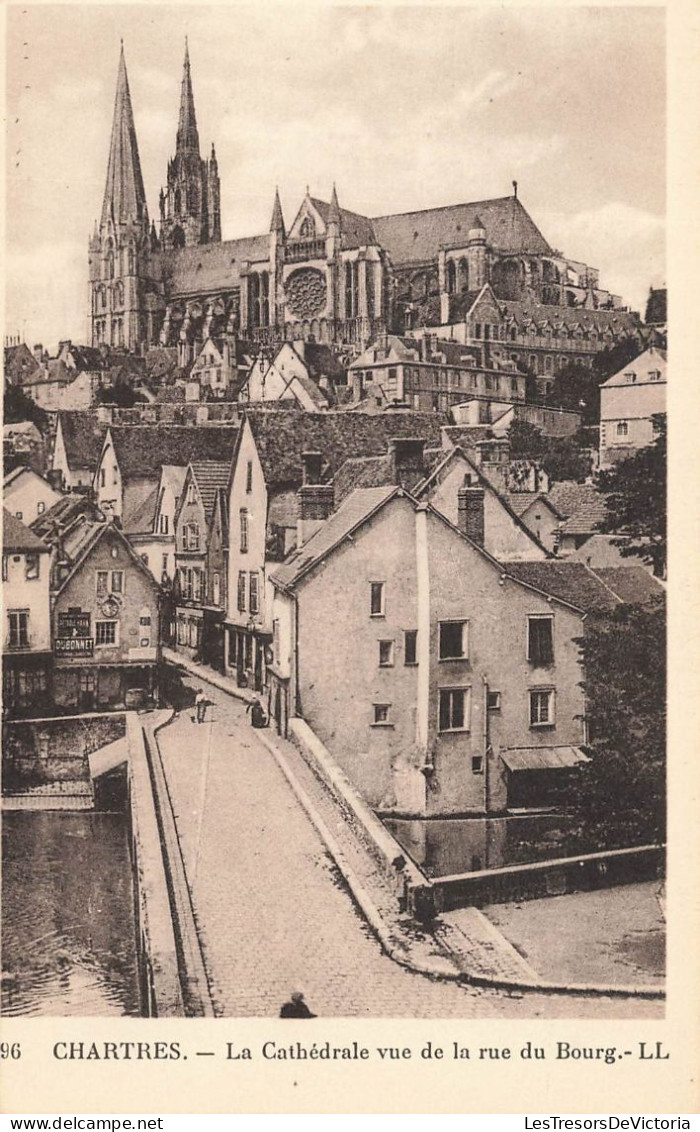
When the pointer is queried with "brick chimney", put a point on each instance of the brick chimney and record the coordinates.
(407, 462)
(315, 503)
(470, 510)
(311, 464)
(38, 352)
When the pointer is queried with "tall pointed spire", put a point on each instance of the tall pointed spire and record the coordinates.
(187, 136)
(334, 208)
(125, 198)
(277, 222)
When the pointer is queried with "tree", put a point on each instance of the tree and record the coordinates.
(18, 406)
(561, 457)
(624, 659)
(576, 387)
(614, 358)
(637, 500)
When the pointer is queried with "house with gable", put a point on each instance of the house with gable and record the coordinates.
(77, 446)
(300, 373)
(105, 621)
(277, 455)
(152, 529)
(199, 610)
(220, 368)
(446, 683)
(451, 482)
(129, 468)
(26, 644)
(27, 495)
(629, 400)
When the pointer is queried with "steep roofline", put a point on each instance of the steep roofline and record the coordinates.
(101, 529)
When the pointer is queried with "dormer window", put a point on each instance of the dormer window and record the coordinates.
(630, 377)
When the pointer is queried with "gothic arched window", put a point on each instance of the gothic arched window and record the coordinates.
(451, 277)
(178, 237)
(109, 272)
(307, 230)
(352, 280)
(178, 202)
(265, 299)
(118, 294)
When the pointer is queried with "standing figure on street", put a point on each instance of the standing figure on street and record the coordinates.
(258, 718)
(200, 704)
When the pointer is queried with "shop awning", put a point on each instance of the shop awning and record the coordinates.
(543, 758)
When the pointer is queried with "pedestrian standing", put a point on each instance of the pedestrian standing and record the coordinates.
(200, 705)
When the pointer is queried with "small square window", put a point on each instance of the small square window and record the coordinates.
(32, 570)
(386, 654)
(453, 640)
(542, 707)
(494, 701)
(477, 764)
(376, 599)
(381, 713)
(410, 646)
(40, 507)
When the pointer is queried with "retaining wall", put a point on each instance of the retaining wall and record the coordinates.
(37, 752)
(550, 878)
(161, 992)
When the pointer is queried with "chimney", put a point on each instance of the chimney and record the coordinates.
(38, 352)
(55, 477)
(470, 509)
(407, 463)
(315, 505)
(311, 463)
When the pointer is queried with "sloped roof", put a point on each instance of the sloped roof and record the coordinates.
(542, 758)
(415, 237)
(88, 357)
(161, 361)
(316, 395)
(62, 513)
(281, 437)
(210, 477)
(521, 501)
(572, 582)
(211, 267)
(19, 362)
(568, 497)
(526, 311)
(633, 584)
(403, 349)
(17, 537)
(139, 513)
(89, 535)
(467, 436)
(142, 450)
(600, 551)
(353, 511)
(83, 436)
(355, 231)
(652, 359)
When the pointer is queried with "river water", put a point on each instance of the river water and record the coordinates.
(68, 936)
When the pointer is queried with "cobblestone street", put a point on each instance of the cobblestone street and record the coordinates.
(274, 914)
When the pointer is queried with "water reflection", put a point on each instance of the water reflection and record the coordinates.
(446, 846)
(68, 931)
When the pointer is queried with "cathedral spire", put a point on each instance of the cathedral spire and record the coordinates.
(187, 136)
(277, 222)
(125, 198)
(334, 208)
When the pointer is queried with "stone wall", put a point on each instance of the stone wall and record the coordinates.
(37, 752)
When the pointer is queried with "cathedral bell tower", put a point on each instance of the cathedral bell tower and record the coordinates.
(119, 248)
(190, 210)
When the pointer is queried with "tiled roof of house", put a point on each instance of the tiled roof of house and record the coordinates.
(87, 357)
(86, 538)
(520, 501)
(355, 231)
(415, 237)
(210, 476)
(524, 312)
(83, 436)
(211, 267)
(19, 363)
(582, 508)
(572, 582)
(633, 584)
(142, 450)
(161, 361)
(63, 513)
(315, 395)
(353, 511)
(139, 513)
(282, 436)
(402, 350)
(600, 551)
(466, 436)
(652, 359)
(17, 537)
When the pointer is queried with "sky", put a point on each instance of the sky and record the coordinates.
(403, 107)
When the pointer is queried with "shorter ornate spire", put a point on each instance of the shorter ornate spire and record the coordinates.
(334, 208)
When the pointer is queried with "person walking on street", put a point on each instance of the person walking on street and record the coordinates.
(200, 705)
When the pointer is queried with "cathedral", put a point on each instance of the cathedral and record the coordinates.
(331, 276)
